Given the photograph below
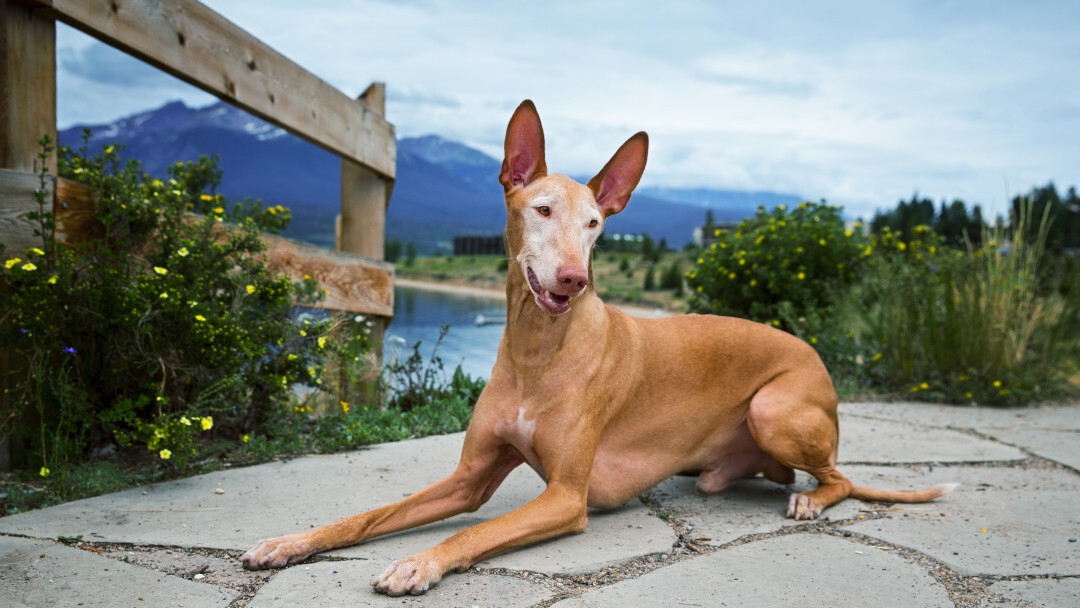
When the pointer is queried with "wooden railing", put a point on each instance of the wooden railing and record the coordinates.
(189, 41)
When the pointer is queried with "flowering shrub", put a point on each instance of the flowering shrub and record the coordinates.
(968, 326)
(802, 256)
(163, 323)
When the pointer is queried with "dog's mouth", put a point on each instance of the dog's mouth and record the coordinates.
(553, 304)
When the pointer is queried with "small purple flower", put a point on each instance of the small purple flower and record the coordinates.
(22, 330)
(71, 351)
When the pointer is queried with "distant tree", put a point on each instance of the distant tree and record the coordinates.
(410, 253)
(672, 278)
(624, 265)
(392, 250)
(1064, 215)
(648, 247)
(650, 279)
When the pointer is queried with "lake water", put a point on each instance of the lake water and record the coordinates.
(419, 314)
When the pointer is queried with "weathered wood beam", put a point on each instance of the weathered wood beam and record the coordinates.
(193, 43)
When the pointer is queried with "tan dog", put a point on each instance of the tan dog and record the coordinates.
(603, 406)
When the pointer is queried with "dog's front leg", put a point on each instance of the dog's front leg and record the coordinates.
(481, 470)
(558, 510)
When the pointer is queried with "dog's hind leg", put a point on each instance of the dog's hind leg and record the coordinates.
(793, 419)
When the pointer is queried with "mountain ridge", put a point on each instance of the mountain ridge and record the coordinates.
(443, 188)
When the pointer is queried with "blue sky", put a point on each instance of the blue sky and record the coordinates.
(861, 103)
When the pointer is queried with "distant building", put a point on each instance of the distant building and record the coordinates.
(479, 245)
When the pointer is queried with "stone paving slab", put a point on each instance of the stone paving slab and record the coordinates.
(748, 506)
(1051, 593)
(870, 440)
(793, 570)
(286, 497)
(1062, 446)
(1059, 417)
(1028, 518)
(44, 574)
(347, 583)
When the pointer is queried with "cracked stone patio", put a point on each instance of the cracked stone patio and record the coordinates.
(1006, 537)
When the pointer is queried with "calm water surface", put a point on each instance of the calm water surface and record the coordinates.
(418, 315)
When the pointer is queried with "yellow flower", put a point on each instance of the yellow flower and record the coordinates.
(968, 395)
(44, 472)
(12, 262)
(344, 407)
(52, 280)
(165, 454)
(182, 252)
(997, 383)
(164, 295)
(848, 233)
(813, 340)
(28, 267)
(699, 261)
(821, 242)
(901, 245)
(303, 333)
(802, 275)
(36, 250)
(782, 207)
(250, 289)
(924, 386)
(876, 357)
(753, 282)
(205, 197)
(161, 271)
(219, 210)
(200, 318)
(245, 438)
(731, 275)
(322, 341)
(775, 322)
(184, 421)
(963, 377)
(207, 423)
(271, 211)
(292, 357)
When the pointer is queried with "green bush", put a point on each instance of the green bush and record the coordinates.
(802, 256)
(162, 328)
(970, 325)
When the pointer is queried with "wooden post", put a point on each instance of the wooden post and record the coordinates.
(27, 111)
(361, 227)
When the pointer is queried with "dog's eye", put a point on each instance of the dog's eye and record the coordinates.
(544, 210)
(593, 224)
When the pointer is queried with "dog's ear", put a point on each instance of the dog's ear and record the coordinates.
(524, 148)
(616, 181)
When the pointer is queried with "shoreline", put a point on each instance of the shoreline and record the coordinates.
(494, 294)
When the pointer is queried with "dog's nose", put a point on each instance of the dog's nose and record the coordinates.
(572, 278)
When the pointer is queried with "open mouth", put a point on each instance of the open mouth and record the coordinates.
(551, 303)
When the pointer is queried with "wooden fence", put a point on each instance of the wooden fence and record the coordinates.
(189, 41)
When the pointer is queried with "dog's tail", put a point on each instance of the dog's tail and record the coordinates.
(924, 495)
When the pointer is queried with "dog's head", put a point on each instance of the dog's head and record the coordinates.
(553, 221)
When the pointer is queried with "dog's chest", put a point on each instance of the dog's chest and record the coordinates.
(518, 431)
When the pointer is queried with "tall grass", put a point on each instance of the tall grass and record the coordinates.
(972, 326)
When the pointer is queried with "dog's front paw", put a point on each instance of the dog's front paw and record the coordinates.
(277, 552)
(413, 575)
(801, 506)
